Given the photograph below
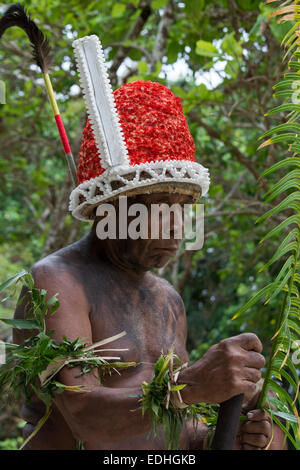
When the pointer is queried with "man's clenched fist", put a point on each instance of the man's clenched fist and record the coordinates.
(227, 369)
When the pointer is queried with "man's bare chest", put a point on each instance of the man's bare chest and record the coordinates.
(150, 316)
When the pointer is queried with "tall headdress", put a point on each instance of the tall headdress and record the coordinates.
(136, 140)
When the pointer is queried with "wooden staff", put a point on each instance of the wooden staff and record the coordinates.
(228, 423)
(61, 129)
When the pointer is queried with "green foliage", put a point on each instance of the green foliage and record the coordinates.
(285, 285)
(225, 97)
(25, 370)
(11, 444)
(157, 403)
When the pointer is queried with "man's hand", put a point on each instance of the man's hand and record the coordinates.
(256, 433)
(259, 432)
(227, 369)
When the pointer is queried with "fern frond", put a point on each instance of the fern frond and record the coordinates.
(291, 161)
(293, 219)
(282, 376)
(287, 203)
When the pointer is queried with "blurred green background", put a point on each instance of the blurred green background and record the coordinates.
(222, 57)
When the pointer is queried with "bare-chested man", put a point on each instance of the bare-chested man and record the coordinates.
(106, 287)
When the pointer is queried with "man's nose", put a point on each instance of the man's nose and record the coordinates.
(176, 223)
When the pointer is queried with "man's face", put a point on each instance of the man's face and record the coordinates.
(155, 250)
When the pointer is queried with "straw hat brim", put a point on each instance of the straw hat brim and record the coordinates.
(171, 176)
(88, 212)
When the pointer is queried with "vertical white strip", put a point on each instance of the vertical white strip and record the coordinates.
(100, 102)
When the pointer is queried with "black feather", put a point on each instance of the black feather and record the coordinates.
(16, 15)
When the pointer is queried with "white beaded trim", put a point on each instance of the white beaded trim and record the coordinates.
(101, 188)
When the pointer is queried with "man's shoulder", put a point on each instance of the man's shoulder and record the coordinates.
(52, 265)
(59, 274)
(62, 264)
(70, 269)
(63, 260)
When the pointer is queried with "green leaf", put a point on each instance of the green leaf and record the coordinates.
(286, 83)
(158, 67)
(118, 10)
(284, 108)
(158, 365)
(288, 36)
(284, 93)
(279, 287)
(293, 325)
(287, 416)
(292, 76)
(51, 301)
(254, 299)
(21, 324)
(293, 161)
(179, 92)
(294, 65)
(134, 78)
(155, 407)
(206, 49)
(287, 265)
(283, 187)
(175, 388)
(232, 68)
(285, 204)
(13, 279)
(287, 137)
(231, 46)
(157, 4)
(248, 5)
(281, 392)
(142, 67)
(289, 176)
(293, 219)
(292, 126)
(282, 250)
(194, 8)
(284, 429)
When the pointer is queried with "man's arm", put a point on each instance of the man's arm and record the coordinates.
(89, 415)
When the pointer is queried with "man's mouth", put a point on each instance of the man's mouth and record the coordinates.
(169, 249)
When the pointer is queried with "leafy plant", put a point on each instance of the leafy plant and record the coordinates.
(31, 367)
(156, 401)
(280, 367)
(11, 444)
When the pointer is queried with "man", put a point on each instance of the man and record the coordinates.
(106, 286)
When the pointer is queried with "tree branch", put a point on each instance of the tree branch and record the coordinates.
(165, 24)
(133, 33)
(194, 116)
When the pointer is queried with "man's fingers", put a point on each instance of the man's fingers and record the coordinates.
(257, 432)
(258, 415)
(247, 388)
(253, 375)
(257, 427)
(247, 447)
(254, 359)
(256, 440)
(248, 341)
